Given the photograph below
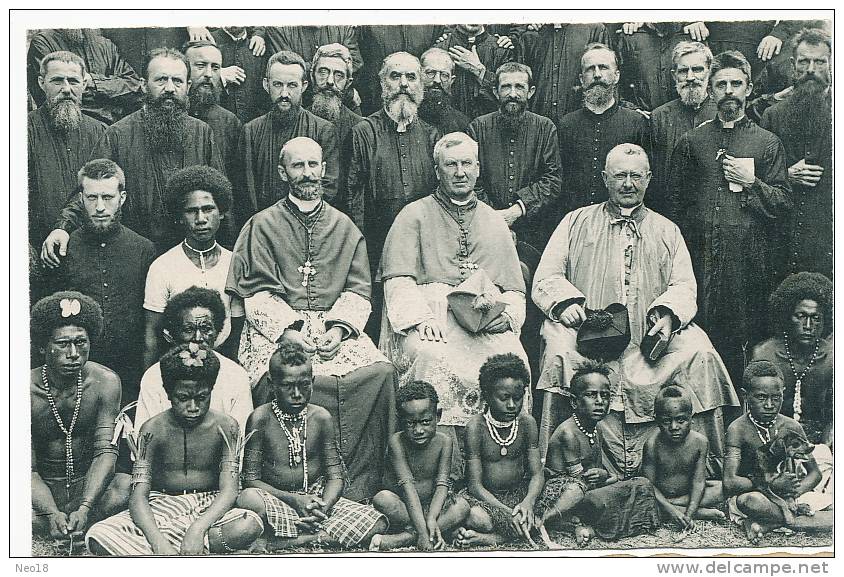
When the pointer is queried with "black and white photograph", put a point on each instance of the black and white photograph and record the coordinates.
(377, 284)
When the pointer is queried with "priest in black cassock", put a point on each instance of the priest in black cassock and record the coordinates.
(302, 270)
(264, 137)
(150, 145)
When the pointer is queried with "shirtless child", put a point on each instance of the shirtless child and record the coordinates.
(74, 402)
(674, 459)
(185, 478)
(418, 499)
(748, 505)
(504, 472)
(292, 471)
(578, 487)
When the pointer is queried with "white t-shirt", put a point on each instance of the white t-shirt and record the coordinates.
(173, 272)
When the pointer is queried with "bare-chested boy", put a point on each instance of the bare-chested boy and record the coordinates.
(185, 478)
(292, 471)
(504, 472)
(748, 505)
(674, 459)
(74, 402)
(578, 487)
(418, 500)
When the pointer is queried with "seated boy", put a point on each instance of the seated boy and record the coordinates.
(419, 461)
(184, 482)
(503, 473)
(674, 459)
(748, 502)
(292, 471)
(578, 484)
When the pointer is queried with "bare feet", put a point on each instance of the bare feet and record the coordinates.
(469, 538)
(754, 531)
(389, 542)
(546, 539)
(707, 514)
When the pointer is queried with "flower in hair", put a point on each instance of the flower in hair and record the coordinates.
(193, 356)
(70, 307)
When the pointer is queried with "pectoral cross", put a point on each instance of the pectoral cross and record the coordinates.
(307, 271)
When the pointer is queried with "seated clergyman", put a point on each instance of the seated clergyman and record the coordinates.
(185, 479)
(73, 406)
(292, 470)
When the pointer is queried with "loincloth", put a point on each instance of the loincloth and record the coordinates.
(173, 514)
(67, 499)
(500, 518)
(555, 484)
(348, 523)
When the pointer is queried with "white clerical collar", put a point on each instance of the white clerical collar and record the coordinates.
(731, 123)
(241, 36)
(400, 126)
(628, 212)
(305, 206)
(461, 202)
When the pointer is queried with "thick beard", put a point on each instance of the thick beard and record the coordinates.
(730, 109)
(402, 109)
(512, 115)
(99, 231)
(165, 124)
(807, 109)
(691, 94)
(599, 94)
(65, 115)
(434, 105)
(202, 97)
(286, 117)
(327, 104)
(307, 190)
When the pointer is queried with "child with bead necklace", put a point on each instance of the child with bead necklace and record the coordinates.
(419, 460)
(577, 482)
(293, 474)
(504, 473)
(762, 422)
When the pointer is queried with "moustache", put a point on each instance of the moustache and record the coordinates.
(693, 82)
(282, 99)
(401, 92)
(811, 77)
(729, 99)
(598, 83)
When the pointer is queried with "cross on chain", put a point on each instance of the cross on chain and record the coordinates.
(307, 271)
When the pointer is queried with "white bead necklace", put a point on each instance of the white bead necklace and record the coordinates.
(201, 253)
(68, 432)
(492, 426)
(297, 440)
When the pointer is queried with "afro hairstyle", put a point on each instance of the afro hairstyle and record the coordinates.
(795, 288)
(417, 390)
(577, 384)
(193, 178)
(189, 298)
(499, 367)
(59, 310)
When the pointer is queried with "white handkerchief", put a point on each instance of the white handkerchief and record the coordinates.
(748, 164)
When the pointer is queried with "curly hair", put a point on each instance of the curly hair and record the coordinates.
(795, 288)
(578, 384)
(288, 354)
(671, 391)
(193, 297)
(193, 178)
(760, 368)
(499, 367)
(416, 390)
(193, 366)
(48, 314)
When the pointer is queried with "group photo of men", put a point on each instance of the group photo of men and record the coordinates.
(412, 287)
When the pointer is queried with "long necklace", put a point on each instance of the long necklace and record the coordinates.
(593, 436)
(201, 253)
(297, 440)
(492, 425)
(763, 428)
(68, 432)
(798, 398)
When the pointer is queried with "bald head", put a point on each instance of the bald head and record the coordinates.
(301, 145)
(628, 151)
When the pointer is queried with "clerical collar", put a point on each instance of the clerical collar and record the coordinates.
(636, 213)
(241, 36)
(739, 122)
(306, 207)
(450, 204)
(609, 111)
(400, 126)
